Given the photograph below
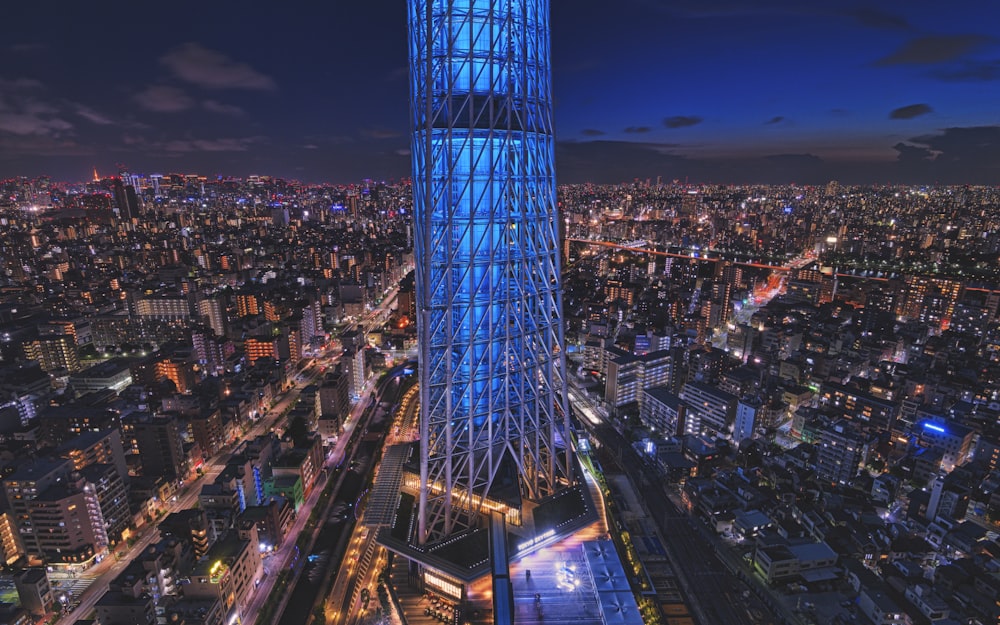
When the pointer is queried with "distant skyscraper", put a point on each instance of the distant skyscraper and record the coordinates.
(492, 392)
(126, 198)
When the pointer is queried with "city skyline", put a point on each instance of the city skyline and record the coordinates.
(774, 93)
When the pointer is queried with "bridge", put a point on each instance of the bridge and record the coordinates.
(696, 256)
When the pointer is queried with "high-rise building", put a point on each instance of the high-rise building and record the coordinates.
(257, 348)
(112, 499)
(229, 572)
(96, 447)
(713, 410)
(160, 445)
(247, 305)
(67, 521)
(841, 451)
(213, 312)
(126, 198)
(311, 325)
(357, 372)
(25, 485)
(54, 353)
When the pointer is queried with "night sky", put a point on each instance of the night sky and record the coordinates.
(706, 90)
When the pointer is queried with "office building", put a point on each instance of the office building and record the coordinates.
(160, 445)
(114, 374)
(67, 522)
(229, 572)
(841, 451)
(629, 375)
(112, 498)
(749, 413)
(207, 431)
(710, 409)
(953, 440)
(126, 199)
(664, 412)
(101, 447)
(24, 485)
(870, 412)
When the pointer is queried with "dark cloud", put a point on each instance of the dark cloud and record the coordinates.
(222, 108)
(207, 145)
(163, 99)
(975, 146)
(93, 116)
(614, 161)
(24, 111)
(777, 119)
(16, 148)
(875, 18)
(33, 121)
(932, 49)
(969, 71)
(198, 65)
(682, 121)
(190, 145)
(638, 130)
(910, 154)
(18, 85)
(911, 111)
(592, 132)
(952, 156)
(618, 161)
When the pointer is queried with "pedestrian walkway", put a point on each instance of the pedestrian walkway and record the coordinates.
(70, 585)
(384, 497)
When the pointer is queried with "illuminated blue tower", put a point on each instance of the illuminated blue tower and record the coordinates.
(493, 402)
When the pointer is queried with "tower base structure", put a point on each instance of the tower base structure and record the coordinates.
(458, 567)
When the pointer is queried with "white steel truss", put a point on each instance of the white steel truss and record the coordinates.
(490, 332)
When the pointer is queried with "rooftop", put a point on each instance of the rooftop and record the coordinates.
(37, 469)
(106, 369)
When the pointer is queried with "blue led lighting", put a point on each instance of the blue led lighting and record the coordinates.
(486, 247)
(930, 426)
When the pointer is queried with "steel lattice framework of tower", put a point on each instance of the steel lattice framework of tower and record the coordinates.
(490, 330)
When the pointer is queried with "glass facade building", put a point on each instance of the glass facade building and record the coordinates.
(490, 331)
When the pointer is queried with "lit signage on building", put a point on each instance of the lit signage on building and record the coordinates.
(537, 539)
